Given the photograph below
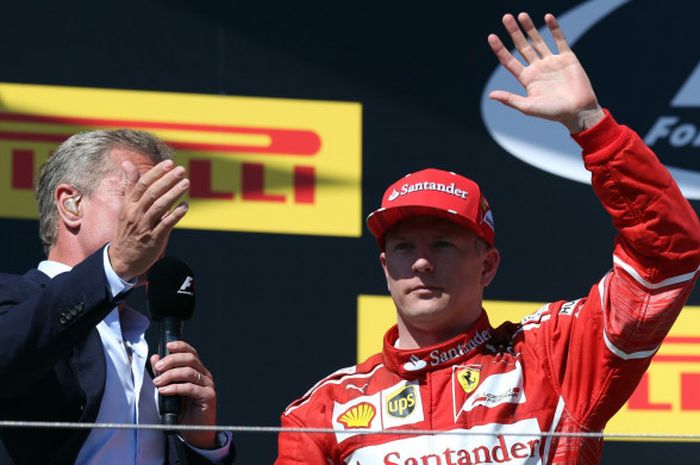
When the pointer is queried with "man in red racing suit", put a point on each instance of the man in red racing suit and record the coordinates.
(568, 367)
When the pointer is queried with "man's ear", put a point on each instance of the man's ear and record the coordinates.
(491, 259)
(67, 200)
(382, 260)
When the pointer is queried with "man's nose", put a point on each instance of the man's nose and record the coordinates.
(422, 264)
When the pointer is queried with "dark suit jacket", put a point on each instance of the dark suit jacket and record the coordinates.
(52, 362)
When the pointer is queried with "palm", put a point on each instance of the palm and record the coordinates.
(556, 85)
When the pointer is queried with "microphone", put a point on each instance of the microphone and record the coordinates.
(170, 294)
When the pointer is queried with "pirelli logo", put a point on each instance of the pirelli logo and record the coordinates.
(255, 164)
(666, 401)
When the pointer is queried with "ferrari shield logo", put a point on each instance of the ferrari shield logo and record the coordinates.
(468, 378)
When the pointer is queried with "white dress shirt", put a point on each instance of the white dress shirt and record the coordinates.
(130, 395)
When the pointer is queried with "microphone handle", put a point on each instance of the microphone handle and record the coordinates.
(170, 330)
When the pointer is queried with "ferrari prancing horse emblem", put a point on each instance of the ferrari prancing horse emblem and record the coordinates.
(468, 378)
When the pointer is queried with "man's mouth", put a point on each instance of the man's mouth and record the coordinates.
(424, 288)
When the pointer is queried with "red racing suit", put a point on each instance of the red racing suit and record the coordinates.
(568, 367)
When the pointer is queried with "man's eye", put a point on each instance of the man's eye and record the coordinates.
(442, 244)
(402, 246)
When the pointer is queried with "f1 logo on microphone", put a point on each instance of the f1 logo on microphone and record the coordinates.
(187, 286)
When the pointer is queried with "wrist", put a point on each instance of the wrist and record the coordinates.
(119, 268)
(584, 119)
(207, 440)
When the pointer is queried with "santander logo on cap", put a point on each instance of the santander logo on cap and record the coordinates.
(428, 186)
(438, 193)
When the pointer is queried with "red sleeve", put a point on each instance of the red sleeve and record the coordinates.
(657, 250)
(659, 233)
(597, 348)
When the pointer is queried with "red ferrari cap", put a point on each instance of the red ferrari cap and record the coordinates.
(433, 192)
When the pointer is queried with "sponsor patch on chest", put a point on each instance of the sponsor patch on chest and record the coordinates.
(468, 377)
(472, 388)
(398, 405)
(475, 446)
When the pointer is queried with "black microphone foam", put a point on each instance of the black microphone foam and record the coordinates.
(171, 289)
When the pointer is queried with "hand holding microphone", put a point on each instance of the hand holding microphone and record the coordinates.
(186, 388)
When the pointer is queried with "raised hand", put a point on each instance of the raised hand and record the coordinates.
(146, 217)
(557, 86)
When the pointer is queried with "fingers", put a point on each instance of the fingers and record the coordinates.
(164, 190)
(170, 219)
(139, 187)
(158, 190)
(181, 373)
(557, 86)
(154, 359)
(153, 194)
(181, 366)
(185, 382)
(130, 175)
(163, 229)
(557, 34)
(531, 47)
(146, 218)
(506, 59)
(508, 98)
(182, 380)
(526, 50)
(160, 208)
(535, 38)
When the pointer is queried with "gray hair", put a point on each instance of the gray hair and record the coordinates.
(83, 161)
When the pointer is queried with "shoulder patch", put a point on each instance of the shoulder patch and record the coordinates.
(542, 314)
(571, 307)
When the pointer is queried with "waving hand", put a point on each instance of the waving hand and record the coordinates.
(557, 86)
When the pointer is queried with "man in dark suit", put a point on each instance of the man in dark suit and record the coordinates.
(71, 351)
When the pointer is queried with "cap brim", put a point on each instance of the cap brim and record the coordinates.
(380, 221)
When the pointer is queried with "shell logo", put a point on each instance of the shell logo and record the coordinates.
(358, 416)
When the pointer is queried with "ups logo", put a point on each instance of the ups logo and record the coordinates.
(402, 402)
